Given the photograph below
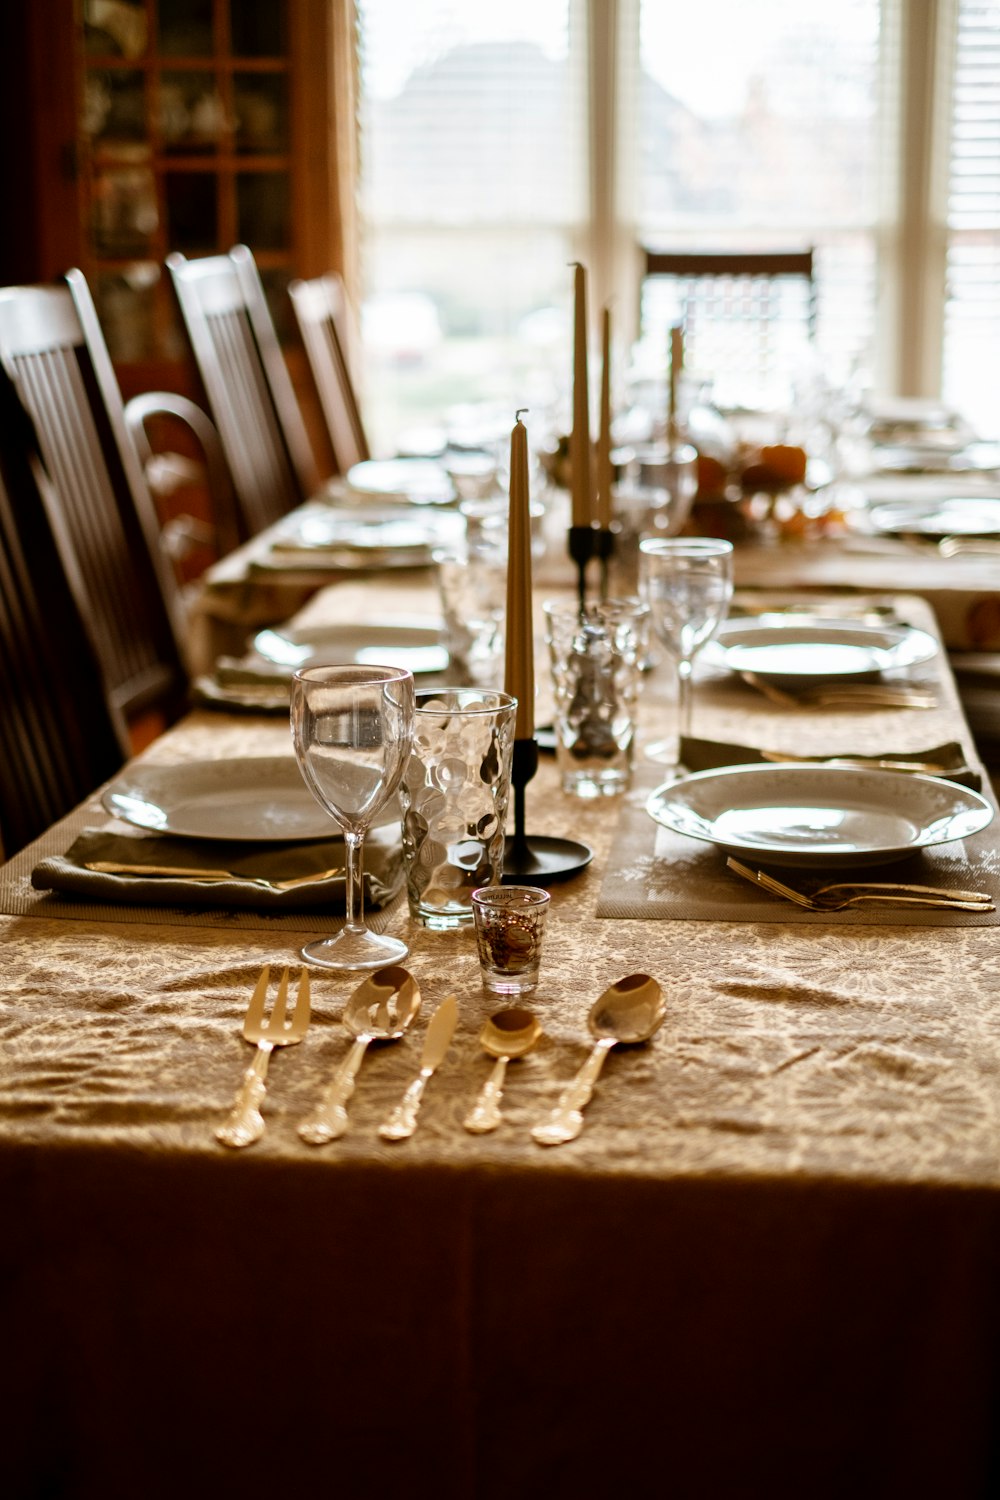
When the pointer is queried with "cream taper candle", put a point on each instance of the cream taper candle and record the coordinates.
(580, 459)
(604, 472)
(519, 662)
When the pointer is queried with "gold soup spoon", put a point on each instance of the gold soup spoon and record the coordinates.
(380, 1010)
(629, 1011)
(507, 1034)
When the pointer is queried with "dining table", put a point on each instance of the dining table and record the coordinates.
(767, 1266)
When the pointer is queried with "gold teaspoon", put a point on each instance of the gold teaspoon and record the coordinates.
(506, 1035)
(629, 1011)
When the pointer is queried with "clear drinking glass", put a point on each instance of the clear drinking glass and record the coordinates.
(688, 584)
(352, 728)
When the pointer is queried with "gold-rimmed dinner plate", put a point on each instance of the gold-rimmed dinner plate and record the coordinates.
(831, 816)
(262, 799)
(802, 649)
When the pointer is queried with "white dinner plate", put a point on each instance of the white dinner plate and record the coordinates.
(833, 816)
(414, 645)
(959, 515)
(420, 481)
(785, 648)
(263, 800)
(371, 533)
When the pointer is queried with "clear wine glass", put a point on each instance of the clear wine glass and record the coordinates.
(687, 583)
(352, 728)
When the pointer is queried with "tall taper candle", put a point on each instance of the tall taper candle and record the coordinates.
(580, 458)
(676, 365)
(519, 664)
(604, 475)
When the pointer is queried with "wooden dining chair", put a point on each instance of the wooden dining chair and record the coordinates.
(59, 738)
(747, 315)
(320, 307)
(151, 418)
(103, 517)
(247, 384)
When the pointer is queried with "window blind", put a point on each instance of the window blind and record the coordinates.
(971, 379)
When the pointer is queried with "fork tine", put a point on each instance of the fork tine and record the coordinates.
(255, 1010)
(300, 1015)
(277, 1021)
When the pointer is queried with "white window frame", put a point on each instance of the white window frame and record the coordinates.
(917, 65)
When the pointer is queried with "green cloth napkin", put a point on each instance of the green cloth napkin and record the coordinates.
(709, 755)
(248, 864)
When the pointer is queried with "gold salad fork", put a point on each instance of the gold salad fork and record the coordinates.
(246, 1123)
(842, 894)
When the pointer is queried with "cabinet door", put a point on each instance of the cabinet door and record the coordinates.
(192, 135)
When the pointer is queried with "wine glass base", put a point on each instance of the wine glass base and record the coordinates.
(355, 950)
(665, 753)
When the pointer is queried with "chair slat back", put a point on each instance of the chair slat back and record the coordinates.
(320, 307)
(102, 513)
(247, 385)
(747, 316)
(58, 737)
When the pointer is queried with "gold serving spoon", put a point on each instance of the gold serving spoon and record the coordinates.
(506, 1035)
(629, 1011)
(380, 1010)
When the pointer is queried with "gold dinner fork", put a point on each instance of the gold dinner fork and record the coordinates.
(246, 1123)
(849, 694)
(842, 894)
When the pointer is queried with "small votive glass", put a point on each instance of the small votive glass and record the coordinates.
(597, 657)
(510, 924)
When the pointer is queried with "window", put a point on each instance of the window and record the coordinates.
(499, 143)
(972, 301)
(473, 194)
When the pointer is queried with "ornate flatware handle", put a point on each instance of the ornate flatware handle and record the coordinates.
(246, 1123)
(403, 1120)
(485, 1114)
(329, 1120)
(566, 1120)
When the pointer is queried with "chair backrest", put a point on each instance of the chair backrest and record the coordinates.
(58, 737)
(247, 384)
(143, 413)
(103, 517)
(747, 316)
(320, 308)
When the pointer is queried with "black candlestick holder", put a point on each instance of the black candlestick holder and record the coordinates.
(536, 860)
(581, 550)
(604, 546)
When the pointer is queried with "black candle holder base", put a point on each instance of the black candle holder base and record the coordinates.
(537, 861)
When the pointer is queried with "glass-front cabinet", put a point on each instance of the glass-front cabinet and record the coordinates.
(193, 122)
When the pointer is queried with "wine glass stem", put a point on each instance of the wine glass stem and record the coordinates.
(684, 669)
(355, 894)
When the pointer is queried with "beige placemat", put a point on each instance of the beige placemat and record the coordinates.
(656, 874)
(19, 898)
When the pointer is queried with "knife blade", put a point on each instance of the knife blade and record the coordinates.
(403, 1120)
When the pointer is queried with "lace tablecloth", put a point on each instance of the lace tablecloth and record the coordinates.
(767, 1267)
